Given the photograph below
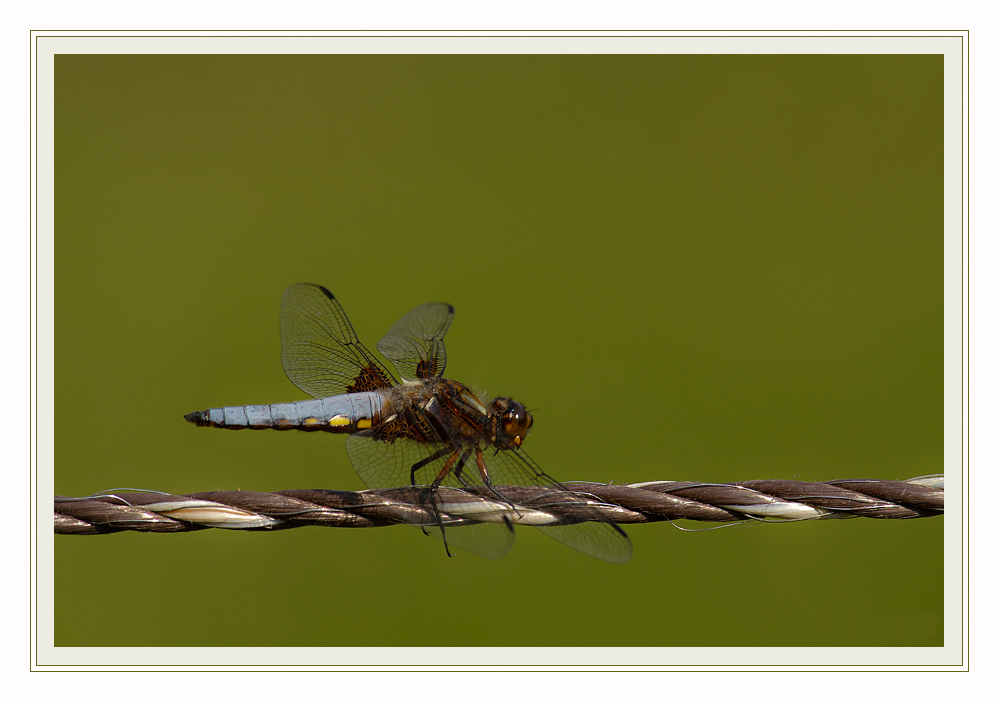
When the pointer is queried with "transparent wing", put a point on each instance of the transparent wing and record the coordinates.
(320, 352)
(390, 465)
(597, 537)
(488, 540)
(415, 344)
(601, 540)
(406, 462)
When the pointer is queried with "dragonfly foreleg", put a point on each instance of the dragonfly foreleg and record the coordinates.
(487, 481)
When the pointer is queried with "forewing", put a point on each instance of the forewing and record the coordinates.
(415, 344)
(393, 456)
(389, 465)
(488, 540)
(320, 352)
(594, 535)
(597, 537)
(601, 540)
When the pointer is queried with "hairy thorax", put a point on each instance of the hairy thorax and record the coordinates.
(434, 410)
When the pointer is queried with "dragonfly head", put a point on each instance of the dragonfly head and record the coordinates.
(512, 419)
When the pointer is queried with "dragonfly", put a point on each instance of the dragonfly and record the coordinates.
(420, 430)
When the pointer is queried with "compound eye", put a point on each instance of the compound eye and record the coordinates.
(516, 422)
(511, 424)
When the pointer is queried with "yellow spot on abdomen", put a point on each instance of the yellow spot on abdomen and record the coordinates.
(339, 421)
(312, 421)
(364, 424)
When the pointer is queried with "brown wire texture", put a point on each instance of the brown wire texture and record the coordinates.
(766, 500)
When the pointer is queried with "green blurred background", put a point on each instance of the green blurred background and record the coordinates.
(711, 268)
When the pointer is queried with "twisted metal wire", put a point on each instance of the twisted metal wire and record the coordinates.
(766, 500)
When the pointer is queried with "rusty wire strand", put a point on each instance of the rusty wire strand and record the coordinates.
(765, 500)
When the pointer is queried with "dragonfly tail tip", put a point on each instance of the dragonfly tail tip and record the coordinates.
(199, 418)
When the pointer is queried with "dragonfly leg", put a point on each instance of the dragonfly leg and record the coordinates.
(483, 471)
(487, 481)
(424, 462)
(457, 473)
(453, 465)
(445, 470)
(428, 494)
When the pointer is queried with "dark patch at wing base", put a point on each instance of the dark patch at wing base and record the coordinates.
(415, 344)
(427, 368)
(370, 378)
